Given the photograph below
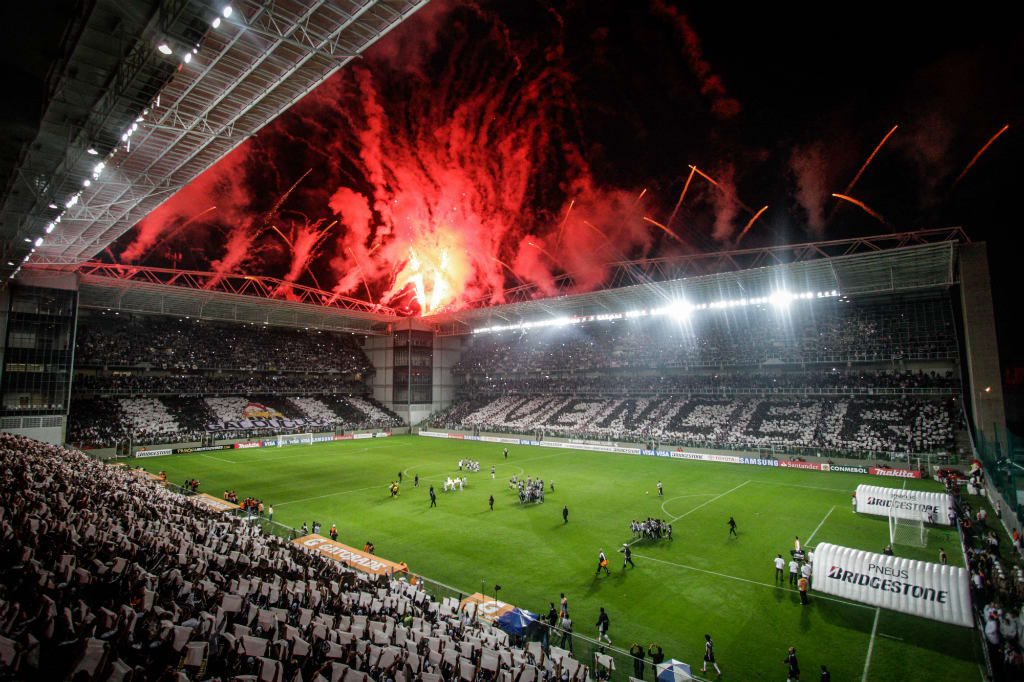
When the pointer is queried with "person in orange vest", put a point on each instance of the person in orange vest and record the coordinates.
(802, 585)
(334, 532)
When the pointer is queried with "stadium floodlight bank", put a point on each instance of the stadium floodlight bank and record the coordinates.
(937, 591)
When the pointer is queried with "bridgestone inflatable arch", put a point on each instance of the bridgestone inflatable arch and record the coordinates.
(936, 591)
(909, 504)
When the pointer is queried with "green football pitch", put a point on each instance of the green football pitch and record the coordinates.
(701, 581)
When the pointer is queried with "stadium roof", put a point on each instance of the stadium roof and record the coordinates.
(878, 265)
(158, 120)
(883, 264)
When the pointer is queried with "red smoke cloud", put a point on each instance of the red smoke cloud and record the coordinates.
(711, 84)
(810, 170)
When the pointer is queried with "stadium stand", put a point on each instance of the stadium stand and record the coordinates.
(832, 375)
(158, 379)
(830, 330)
(159, 342)
(110, 575)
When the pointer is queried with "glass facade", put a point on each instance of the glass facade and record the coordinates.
(39, 349)
(413, 367)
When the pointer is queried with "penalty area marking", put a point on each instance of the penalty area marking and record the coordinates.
(680, 497)
(747, 580)
(820, 525)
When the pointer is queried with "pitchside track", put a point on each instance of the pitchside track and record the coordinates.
(700, 582)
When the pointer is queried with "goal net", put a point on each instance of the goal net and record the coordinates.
(907, 522)
(295, 439)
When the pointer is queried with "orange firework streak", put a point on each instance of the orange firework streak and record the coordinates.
(369, 296)
(506, 266)
(980, 152)
(562, 225)
(640, 197)
(861, 171)
(750, 224)
(553, 259)
(857, 202)
(682, 196)
(667, 231)
(176, 231)
(729, 194)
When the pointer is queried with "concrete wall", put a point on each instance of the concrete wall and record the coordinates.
(982, 351)
(447, 351)
(380, 350)
(47, 434)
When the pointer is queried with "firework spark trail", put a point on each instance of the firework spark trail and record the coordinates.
(609, 242)
(667, 231)
(637, 202)
(857, 202)
(544, 251)
(509, 268)
(849, 188)
(170, 235)
(304, 245)
(860, 172)
(750, 224)
(561, 226)
(682, 195)
(980, 152)
(369, 296)
(284, 197)
(729, 194)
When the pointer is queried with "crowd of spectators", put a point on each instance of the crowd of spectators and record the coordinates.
(825, 381)
(212, 384)
(109, 575)
(106, 422)
(884, 425)
(108, 339)
(829, 330)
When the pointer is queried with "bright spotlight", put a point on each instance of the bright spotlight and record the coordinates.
(91, 151)
(164, 48)
(188, 57)
(216, 22)
(38, 242)
(780, 299)
(227, 11)
(86, 182)
(680, 310)
(49, 227)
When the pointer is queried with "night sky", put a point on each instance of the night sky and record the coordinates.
(460, 141)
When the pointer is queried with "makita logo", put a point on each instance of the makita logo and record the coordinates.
(897, 473)
(897, 583)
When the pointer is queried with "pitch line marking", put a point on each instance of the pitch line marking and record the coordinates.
(898, 639)
(747, 580)
(699, 506)
(820, 525)
(228, 461)
(871, 646)
(679, 497)
(340, 492)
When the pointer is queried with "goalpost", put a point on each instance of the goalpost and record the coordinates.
(294, 439)
(908, 526)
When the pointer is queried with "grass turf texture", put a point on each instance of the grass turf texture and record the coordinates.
(702, 581)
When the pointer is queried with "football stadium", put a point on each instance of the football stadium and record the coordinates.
(393, 341)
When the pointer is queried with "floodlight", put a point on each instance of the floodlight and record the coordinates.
(91, 151)
(780, 299)
(49, 228)
(86, 182)
(164, 48)
(188, 57)
(227, 11)
(53, 205)
(216, 22)
(39, 241)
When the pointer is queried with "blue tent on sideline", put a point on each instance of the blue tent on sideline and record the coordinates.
(516, 622)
